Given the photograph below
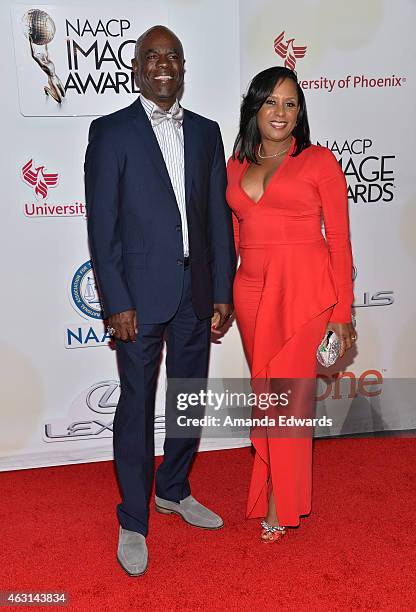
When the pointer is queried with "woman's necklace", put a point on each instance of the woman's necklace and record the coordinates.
(270, 156)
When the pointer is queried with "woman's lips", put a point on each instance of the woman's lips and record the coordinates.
(278, 125)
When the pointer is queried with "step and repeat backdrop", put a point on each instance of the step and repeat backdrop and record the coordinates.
(63, 65)
(355, 64)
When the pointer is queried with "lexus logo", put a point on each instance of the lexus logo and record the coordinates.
(372, 298)
(91, 415)
(103, 397)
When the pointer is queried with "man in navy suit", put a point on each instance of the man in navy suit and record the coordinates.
(161, 242)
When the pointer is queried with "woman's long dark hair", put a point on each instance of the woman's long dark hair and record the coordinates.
(260, 88)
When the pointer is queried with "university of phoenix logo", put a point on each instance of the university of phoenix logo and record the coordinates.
(290, 53)
(288, 50)
(38, 179)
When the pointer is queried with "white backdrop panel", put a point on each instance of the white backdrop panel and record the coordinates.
(58, 402)
(360, 94)
(58, 375)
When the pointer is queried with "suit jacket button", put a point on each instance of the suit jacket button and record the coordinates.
(178, 228)
(179, 262)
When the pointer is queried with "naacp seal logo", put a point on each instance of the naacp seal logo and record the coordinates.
(84, 292)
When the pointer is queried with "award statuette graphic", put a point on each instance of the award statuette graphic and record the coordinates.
(40, 29)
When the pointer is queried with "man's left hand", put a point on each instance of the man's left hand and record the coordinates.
(222, 313)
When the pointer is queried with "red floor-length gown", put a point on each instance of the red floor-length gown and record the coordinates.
(291, 281)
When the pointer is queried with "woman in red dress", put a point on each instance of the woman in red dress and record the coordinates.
(292, 284)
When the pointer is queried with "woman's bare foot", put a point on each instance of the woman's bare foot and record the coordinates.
(272, 531)
(271, 516)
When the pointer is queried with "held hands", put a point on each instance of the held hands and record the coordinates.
(222, 312)
(346, 334)
(123, 325)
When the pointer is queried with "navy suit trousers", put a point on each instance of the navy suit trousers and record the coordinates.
(187, 353)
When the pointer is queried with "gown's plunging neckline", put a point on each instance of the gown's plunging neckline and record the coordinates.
(246, 166)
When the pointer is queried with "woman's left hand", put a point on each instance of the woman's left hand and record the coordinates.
(346, 334)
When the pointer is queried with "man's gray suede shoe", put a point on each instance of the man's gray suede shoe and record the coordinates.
(191, 511)
(132, 552)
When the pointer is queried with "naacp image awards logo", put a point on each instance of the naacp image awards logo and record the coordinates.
(39, 29)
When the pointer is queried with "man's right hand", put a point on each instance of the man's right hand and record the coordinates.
(125, 325)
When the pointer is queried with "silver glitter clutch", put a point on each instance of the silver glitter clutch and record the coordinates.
(328, 351)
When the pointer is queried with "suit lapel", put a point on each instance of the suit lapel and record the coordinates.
(190, 145)
(149, 140)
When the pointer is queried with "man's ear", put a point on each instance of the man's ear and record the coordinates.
(135, 70)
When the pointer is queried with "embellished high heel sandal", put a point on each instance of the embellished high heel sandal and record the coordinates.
(271, 533)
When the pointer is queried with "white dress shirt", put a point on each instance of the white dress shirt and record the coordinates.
(169, 135)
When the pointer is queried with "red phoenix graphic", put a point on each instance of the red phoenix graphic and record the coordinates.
(38, 178)
(288, 51)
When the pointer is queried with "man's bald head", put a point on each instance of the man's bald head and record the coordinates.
(156, 28)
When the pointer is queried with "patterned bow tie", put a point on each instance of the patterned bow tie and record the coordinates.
(159, 116)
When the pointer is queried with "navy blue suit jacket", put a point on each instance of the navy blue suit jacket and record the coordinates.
(134, 224)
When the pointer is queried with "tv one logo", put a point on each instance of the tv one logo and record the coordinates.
(348, 385)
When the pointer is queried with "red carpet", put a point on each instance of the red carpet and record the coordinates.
(355, 552)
